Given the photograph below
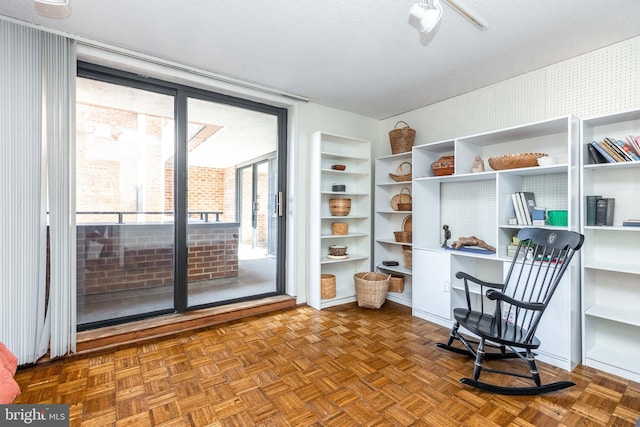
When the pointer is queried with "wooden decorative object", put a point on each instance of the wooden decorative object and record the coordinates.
(407, 255)
(403, 236)
(407, 223)
(443, 166)
(514, 161)
(340, 207)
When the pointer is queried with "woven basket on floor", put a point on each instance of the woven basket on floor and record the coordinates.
(402, 139)
(327, 286)
(371, 289)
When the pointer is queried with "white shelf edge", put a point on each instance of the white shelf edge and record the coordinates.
(338, 217)
(337, 236)
(391, 211)
(398, 269)
(626, 316)
(393, 242)
(610, 266)
(335, 172)
(618, 360)
(352, 258)
(343, 193)
(605, 228)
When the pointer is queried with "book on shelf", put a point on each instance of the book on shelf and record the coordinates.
(628, 150)
(595, 155)
(634, 142)
(530, 203)
(517, 207)
(604, 153)
(604, 211)
(631, 223)
(591, 210)
(609, 149)
(619, 149)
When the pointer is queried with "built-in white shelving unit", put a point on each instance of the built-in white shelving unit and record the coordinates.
(480, 204)
(328, 150)
(387, 220)
(611, 254)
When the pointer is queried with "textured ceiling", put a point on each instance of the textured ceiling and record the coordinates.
(361, 56)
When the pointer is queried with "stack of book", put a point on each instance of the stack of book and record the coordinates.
(603, 214)
(611, 150)
(524, 203)
(631, 223)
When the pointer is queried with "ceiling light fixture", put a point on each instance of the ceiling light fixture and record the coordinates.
(428, 13)
(478, 22)
(53, 8)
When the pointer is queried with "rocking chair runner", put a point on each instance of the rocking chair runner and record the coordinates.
(510, 323)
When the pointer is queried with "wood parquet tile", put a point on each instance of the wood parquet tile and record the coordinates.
(343, 366)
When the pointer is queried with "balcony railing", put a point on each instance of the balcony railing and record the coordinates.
(203, 215)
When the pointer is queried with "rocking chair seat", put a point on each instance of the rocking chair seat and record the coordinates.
(485, 325)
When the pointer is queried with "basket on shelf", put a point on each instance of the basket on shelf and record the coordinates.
(327, 286)
(443, 166)
(401, 139)
(340, 207)
(401, 176)
(407, 223)
(402, 200)
(396, 283)
(407, 255)
(371, 289)
(514, 161)
(340, 228)
(403, 236)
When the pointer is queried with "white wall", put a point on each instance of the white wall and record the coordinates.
(600, 82)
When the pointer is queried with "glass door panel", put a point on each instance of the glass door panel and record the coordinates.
(227, 200)
(124, 201)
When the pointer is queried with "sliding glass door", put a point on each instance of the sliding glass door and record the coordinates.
(161, 191)
(227, 202)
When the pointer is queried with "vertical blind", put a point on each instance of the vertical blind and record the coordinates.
(36, 165)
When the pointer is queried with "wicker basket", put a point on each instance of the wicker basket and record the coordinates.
(396, 283)
(340, 207)
(327, 286)
(401, 176)
(403, 236)
(371, 289)
(340, 228)
(402, 139)
(514, 161)
(402, 199)
(407, 255)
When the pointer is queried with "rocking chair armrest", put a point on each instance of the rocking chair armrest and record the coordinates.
(463, 275)
(497, 295)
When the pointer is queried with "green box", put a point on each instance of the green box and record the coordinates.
(560, 218)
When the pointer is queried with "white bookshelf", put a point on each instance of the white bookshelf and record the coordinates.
(387, 220)
(328, 150)
(479, 204)
(611, 272)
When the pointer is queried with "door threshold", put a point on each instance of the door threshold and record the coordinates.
(134, 332)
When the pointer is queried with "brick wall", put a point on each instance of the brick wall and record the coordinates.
(140, 256)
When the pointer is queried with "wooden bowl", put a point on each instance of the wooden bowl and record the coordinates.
(338, 167)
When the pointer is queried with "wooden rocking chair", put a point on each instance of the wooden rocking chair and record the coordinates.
(541, 259)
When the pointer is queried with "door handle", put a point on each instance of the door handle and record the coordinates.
(279, 203)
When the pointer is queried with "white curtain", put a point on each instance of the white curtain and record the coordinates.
(37, 80)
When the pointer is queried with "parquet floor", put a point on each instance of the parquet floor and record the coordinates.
(344, 366)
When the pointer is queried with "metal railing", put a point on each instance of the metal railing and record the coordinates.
(203, 215)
